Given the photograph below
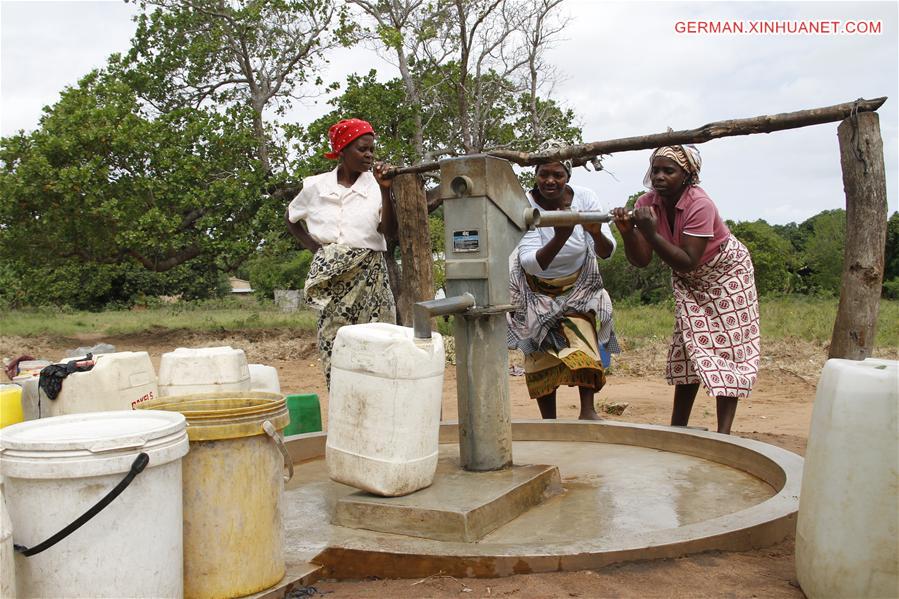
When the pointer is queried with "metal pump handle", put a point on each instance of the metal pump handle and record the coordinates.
(561, 218)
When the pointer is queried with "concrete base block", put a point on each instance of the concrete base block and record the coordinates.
(459, 506)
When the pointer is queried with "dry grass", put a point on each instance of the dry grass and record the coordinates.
(795, 332)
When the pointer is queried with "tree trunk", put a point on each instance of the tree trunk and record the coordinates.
(414, 98)
(393, 275)
(461, 84)
(864, 181)
(261, 141)
(415, 245)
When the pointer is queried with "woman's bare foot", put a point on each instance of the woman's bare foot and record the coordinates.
(591, 415)
(588, 408)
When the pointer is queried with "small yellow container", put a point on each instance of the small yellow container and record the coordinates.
(11, 405)
(233, 485)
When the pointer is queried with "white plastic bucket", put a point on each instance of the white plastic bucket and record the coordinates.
(384, 408)
(847, 537)
(118, 381)
(191, 370)
(264, 378)
(56, 469)
(7, 555)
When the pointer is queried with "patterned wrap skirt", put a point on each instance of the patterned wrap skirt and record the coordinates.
(716, 325)
(348, 286)
(579, 364)
(555, 326)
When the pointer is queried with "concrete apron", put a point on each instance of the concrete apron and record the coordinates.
(632, 492)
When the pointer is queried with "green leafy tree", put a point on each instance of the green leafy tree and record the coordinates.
(634, 285)
(106, 187)
(795, 234)
(438, 246)
(383, 104)
(252, 54)
(772, 256)
(823, 251)
(891, 259)
(380, 103)
(282, 271)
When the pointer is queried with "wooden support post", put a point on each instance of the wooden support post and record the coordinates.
(415, 245)
(394, 274)
(864, 181)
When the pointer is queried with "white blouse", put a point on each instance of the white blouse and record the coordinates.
(571, 257)
(338, 214)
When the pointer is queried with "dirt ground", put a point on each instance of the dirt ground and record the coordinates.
(778, 412)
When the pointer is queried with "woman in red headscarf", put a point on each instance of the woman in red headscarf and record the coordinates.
(342, 216)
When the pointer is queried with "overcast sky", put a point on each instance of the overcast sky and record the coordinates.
(626, 71)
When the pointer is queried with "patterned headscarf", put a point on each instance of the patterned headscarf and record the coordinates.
(344, 132)
(555, 144)
(686, 156)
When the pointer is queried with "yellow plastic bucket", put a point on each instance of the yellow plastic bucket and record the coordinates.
(11, 405)
(233, 491)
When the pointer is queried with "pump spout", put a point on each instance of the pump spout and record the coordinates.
(423, 311)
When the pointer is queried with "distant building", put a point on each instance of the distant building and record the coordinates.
(239, 285)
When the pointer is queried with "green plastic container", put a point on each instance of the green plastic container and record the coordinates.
(305, 414)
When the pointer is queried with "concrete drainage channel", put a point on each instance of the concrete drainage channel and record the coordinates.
(628, 492)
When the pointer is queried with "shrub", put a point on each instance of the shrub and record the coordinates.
(285, 271)
(891, 288)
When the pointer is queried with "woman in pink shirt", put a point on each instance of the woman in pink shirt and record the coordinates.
(716, 325)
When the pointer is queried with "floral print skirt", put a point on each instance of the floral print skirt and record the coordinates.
(348, 286)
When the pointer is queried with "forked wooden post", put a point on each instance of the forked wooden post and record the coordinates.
(864, 181)
(415, 244)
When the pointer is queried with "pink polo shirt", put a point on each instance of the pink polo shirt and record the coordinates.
(695, 214)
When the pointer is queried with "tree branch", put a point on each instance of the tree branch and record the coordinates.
(582, 153)
(168, 263)
(190, 218)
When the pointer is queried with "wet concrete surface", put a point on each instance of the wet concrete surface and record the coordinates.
(618, 490)
(616, 497)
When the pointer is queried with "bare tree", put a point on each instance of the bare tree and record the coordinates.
(540, 28)
(404, 32)
(495, 51)
(500, 43)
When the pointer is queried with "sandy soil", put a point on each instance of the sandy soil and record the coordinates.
(778, 412)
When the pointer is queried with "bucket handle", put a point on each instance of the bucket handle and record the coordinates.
(140, 462)
(269, 429)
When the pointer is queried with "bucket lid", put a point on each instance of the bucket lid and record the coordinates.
(225, 415)
(94, 431)
(92, 443)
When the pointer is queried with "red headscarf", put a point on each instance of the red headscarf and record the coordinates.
(345, 131)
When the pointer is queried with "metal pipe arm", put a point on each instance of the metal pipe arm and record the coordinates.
(563, 218)
(423, 311)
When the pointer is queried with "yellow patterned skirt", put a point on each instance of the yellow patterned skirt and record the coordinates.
(576, 365)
